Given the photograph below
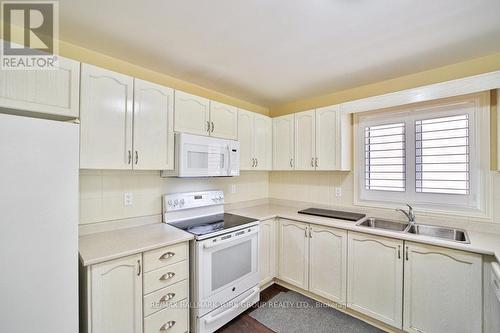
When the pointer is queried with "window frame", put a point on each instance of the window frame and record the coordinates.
(477, 203)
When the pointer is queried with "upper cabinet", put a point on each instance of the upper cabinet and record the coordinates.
(106, 119)
(223, 121)
(305, 137)
(283, 142)
(125, 124)
(198, 115)
(254, 134)
(192, 114)
(52, 92)
(153, 126)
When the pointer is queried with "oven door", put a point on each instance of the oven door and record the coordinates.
(202, 156)
(227, 267)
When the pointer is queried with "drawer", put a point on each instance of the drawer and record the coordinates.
(165, 276)
(172, 320)
(165, 256)
(164, 297)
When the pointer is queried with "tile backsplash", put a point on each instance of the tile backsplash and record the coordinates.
(102, 191)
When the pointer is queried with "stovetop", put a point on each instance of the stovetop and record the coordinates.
(207, 226)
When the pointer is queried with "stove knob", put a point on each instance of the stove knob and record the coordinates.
(176, 202)
(181, 203)
(169, 202)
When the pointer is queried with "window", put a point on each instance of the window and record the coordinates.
(434, 156)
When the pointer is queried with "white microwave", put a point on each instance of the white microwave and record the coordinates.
(202, 156)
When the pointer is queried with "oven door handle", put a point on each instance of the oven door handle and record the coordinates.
(210, 320)
(208, 245)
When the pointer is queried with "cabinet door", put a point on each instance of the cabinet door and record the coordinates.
(263, 142)
(153, 126)
(224, 121)
(192, 114)
(326, 137)
(442, 290)
(283, 142)
(305, 138)
(328, 263)
(116, 296)
(54, 92)
(294, 253)
(106, 119)
(246, 138)
(267, 251)
(375, 277)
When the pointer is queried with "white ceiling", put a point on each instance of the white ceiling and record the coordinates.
(275, 51)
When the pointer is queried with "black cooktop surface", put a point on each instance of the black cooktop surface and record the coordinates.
(336, 214)
(210, 224)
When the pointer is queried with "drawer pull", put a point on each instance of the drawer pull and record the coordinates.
(167, 255)
(167, 297)
(167, 325)
(167, 276)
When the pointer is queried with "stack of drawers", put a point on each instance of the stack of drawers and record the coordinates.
(166, 290)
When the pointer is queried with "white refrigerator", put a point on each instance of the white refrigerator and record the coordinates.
(38, 225)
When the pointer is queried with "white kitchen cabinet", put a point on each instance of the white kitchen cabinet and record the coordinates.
(328, 263)
(153, 126)
(254, 134)
(223, 121)
(52, 92)
(283, 142)
(305, 140)
(375, 277)
(192, 114)
(106, 116)
(116, 296)
(267, 251)
(442, 290)
(294, 253)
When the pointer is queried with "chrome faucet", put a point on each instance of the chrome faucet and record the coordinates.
(409, 214)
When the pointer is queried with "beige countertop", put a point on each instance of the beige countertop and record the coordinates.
(480, 242)
(108, 245)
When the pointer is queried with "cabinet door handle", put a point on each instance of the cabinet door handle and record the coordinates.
(253, 162)
(167, 276)
(291, 163)
(406, 253)
(316, 164)
(139, 268)
(129, 157)
(167, 297)
(305, 232)
(208, 126)
(399, 251)
(310, 233)
(167, 255)
(213, 126)
(136, 157)
(167, 325)
(256, 162)
(312, 162)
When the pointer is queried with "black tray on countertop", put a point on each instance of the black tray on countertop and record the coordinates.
(336, 214)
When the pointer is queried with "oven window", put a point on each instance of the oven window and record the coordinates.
(231, 263)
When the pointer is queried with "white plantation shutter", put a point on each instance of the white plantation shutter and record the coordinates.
(442, 155)
(385, 157)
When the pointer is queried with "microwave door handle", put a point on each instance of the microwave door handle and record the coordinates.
(228, 160)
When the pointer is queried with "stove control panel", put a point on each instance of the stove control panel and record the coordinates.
(179, 201)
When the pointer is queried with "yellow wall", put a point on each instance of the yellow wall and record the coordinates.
(82, 54)
(455, 71)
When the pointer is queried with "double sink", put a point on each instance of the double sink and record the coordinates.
(452, 234)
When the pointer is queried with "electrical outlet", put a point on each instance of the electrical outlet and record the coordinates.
(338, 192)
(233, 188)
(128, 199)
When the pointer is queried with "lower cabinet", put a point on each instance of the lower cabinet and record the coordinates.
(116, 296)
(375, 277)
(443, 290)
(294, 253)
(267, 251)
(328, 263)
(146, 292)
(314, 258)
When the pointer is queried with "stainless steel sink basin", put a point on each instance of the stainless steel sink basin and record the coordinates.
(453, 234)
(383, 224)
